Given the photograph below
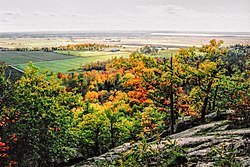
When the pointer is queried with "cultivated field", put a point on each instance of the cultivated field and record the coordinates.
(21, 57)
(131, 41)
(62, 61)
(56, 62)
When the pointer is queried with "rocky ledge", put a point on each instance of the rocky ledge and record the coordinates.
(200, 142)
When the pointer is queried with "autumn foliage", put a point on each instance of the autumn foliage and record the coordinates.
(122, 100)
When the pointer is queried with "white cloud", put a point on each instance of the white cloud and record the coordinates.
(196, 15)
(4, 21)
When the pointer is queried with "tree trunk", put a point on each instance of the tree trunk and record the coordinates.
(112, 135)
(215, 95)
(97, 142)
(171, 100)
(204, 107)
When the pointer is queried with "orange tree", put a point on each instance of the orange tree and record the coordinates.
(43, 126)
(146, 91)
(120, 94)
(152, 82)
(162, 83)
(102, 120)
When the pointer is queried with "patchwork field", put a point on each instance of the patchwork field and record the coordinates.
(62, 61)
(57, 62)
(18, 57)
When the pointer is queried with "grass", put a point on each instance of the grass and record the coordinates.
(63, 61)
(22, 57)
(74, 62)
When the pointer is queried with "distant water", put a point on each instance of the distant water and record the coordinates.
(222, 34)
(120, 33)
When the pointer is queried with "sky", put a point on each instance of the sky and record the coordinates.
(98, 15)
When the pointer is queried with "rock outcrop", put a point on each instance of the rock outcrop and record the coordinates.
(200, 141)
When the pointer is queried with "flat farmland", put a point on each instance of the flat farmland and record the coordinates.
(93, 53)
(21, 57)
(57, 62)
(63, 65)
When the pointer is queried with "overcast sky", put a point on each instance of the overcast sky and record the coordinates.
(179, 15)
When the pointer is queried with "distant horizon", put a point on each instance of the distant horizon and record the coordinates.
(125, 30)
(153, 15)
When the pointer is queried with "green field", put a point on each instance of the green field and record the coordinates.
(65, 65)
(57, 62)
(21, 57)
(63, 61)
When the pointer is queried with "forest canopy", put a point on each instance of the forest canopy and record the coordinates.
(44, 118)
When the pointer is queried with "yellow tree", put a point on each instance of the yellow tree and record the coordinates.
(204, 67)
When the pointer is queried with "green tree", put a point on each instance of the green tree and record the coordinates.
(94, 132)
(204, 68)
(6, 140)
(44, 120)
(5, 86)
